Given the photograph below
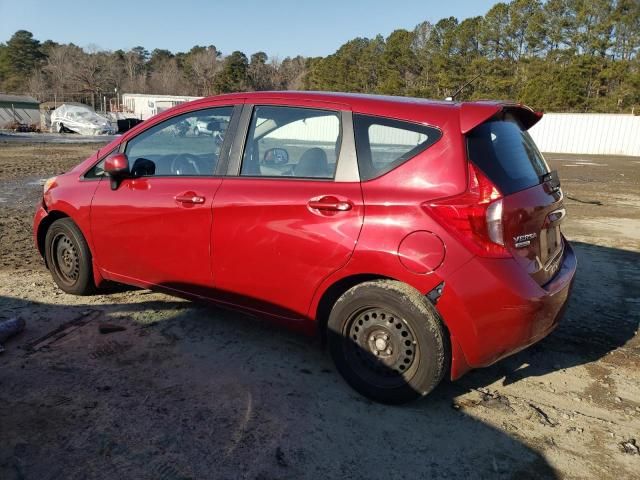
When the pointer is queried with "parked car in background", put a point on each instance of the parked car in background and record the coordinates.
(82, 119)
(209, 126)
(420, 238)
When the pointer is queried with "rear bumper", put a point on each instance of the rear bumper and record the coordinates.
(494, 309)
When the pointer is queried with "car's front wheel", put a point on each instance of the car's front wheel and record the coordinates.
(69, 258)
(387, 341)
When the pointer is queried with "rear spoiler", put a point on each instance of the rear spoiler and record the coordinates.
(473, 114)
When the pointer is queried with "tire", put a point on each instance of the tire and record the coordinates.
(60, 128)
(69, 258)
(387, 341)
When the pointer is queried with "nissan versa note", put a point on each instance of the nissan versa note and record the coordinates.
(420, 238)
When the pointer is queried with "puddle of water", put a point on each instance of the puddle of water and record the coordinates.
(582, 164)
(38, 183)
(23, 190)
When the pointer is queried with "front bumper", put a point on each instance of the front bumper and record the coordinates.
(39, 216)
(494, 309)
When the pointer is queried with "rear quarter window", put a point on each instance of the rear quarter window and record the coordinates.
(507, 155)
(383, 144)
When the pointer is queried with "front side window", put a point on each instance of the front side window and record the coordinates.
(292, 142)
(188, 144)
(97, 171)
(383, 144)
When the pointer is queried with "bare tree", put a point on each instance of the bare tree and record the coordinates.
(291, 73)
(59, 67)
(204, 65)
(134, 66)
(167, 78)
(37, 84)
(262, 75)
(87, 73)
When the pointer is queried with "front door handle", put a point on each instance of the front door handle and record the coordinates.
(189, 198)
(330, 203)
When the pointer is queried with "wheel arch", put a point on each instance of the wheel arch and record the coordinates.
(335, 291)
(51, 217)
(46, 222)
(339, 287)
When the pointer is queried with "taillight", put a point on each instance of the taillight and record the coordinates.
(475, 216)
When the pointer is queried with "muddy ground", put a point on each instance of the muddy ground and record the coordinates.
(192, 391)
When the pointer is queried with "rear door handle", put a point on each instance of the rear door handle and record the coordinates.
(189, 198)
(331, 204)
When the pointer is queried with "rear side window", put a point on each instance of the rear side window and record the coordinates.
(292, 142)
(383, 144)
(507, 155)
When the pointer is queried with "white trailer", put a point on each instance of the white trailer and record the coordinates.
(144, 106)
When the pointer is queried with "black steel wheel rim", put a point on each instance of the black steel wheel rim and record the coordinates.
(381, 347)
(66, 260)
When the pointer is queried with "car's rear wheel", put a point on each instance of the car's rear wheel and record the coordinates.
(387, 341)
(69, 258)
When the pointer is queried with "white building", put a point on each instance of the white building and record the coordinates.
(588, 133)
(144, 106)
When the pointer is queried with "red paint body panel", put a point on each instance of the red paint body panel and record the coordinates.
(142, 233)
(528, 211)
(504, 312)
(473, 114)
(271, 249)
(255, 243)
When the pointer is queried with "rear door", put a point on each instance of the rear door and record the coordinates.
(291, 211)
(533, 202)
(155, 228)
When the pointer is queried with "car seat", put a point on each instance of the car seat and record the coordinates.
(143, 168)
(313, 163)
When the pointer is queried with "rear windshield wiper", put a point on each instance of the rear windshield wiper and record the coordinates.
(552, 179)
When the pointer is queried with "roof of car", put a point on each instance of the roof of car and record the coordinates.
(432, 112)
(336, 97)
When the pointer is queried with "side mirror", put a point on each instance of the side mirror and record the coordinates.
(117, 167)
(275, 156)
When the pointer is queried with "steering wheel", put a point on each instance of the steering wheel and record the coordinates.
(185, 164)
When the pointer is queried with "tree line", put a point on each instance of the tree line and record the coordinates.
(556, 55)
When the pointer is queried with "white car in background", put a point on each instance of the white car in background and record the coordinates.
(209, 126)
(80, 119)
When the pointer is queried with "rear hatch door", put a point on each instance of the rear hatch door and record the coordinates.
(533, 208)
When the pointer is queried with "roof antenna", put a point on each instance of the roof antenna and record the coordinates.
(459, 90)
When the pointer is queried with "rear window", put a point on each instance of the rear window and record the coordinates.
(507, 155)
(383, 144)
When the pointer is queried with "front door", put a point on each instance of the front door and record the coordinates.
(285, 222)
(155, 228)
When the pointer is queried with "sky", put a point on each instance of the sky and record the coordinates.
(280, 28)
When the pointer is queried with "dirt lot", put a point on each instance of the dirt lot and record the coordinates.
(191, 391)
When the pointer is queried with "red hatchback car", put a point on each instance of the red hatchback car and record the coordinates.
(421, 238)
